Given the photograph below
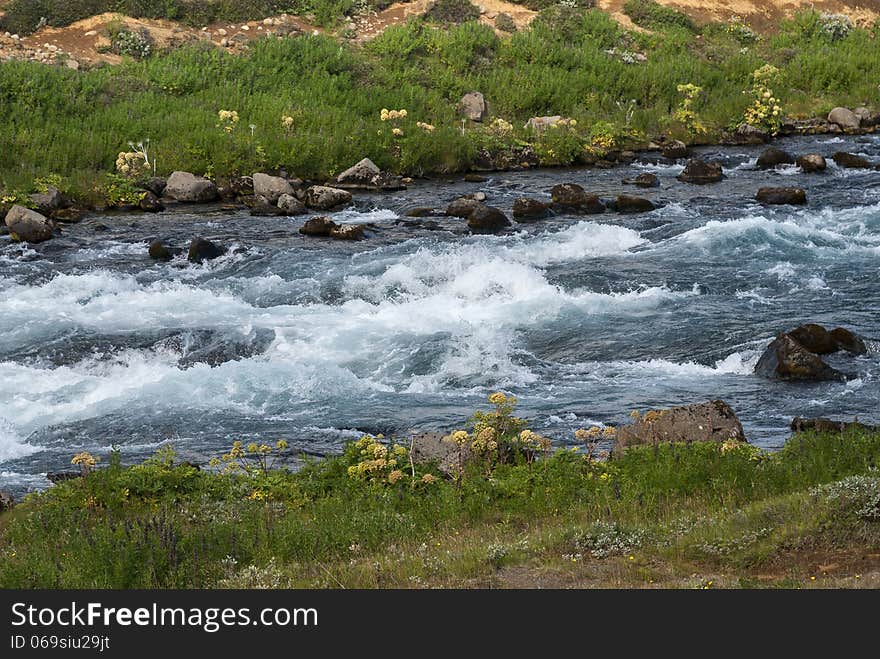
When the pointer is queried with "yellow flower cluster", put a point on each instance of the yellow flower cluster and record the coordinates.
(428, 128)
(397, 132)
(131, 164)
(565, 123)
(764, 111)
(85, 460)
(392, 115)
(228, 120)
(497, 398)
(533, 441)
(501, 127)
(376, 461)
(685, 112)
(286, 122)
(459, 437)
(485, 443)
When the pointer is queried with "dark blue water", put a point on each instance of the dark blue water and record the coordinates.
(583, 319)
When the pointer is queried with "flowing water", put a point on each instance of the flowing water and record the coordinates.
(582, 318)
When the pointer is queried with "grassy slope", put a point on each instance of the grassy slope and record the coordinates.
(73, 124)
(675, 516)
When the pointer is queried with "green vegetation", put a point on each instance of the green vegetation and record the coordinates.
(697, 514)
(654, 16)
(312, 106)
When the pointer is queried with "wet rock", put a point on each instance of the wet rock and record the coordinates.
(475, 178)
(26, 225)
(324, 198)
(776, 196)
(814, 338)
(189, 188)
(487, 219)
(643, 180)
(748, 134)
(713, 421)
(262, 207)
(201, 250)
(824, 425)
(526, 209)
(56, 477)
(318, 226)
(849, 341)
(161, 252)
(420, 211)
(68, 215)
(461, 207)
(811, 163)
(774, 157)
(347, 232)
(150, 203)
(786, 359)
(865, 117)
(7, 501)
(473, 106)
(630, 204)
(155, 184)
(290, 205)
(701, 172)
(572, 198)
(675, 150)
(845, 118)
(850, 161)
(48, 201)
(366, 175)
(271, 187)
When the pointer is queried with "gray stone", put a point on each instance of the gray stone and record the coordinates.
(47, 201)
(473, 106)
(700, 172)
(189, 188)
(713, 421)
(811, 163)
(461, 207)
(540, 124)
(290, 205)
(271, 187)
(845, 118)
(27, 225)
(324, 198)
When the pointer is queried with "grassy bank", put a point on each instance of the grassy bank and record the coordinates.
(312, 105)
(675, 515)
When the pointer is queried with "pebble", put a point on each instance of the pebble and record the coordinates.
(222, 32)
(91, 33)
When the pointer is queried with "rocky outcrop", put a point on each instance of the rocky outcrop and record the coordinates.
(675, 150)
(643, 180)
(811, 163)
(713, 421)
(150, 203)
(845, 118)
(26, 225)
(347, 232)
(189, 188)
(439, 449)
(777, 196)
(526, 209)
(461, 207)
(630, 204)
(323, 198)
(473, 106)
(773, 157)
(318, 226)
(201, 250)
(701, 172)
(48, 201)
(271, 187)
(786, 359)
(290, 205)
(487, 219)
(850, 161)
(824, 425)
(366, 175)
(572, 198)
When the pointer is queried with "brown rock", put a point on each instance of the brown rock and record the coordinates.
(778, 196)
(570, 197)
(526, 209)
(786, 359)
(318, 226)
(713, 421)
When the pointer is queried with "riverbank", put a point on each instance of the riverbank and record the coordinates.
(698, 515)
(311, 106)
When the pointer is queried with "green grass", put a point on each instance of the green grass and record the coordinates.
(73, 124)
(654, 515)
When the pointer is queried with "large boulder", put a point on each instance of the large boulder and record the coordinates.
(201, 250)
(437, 448)
(189, 188)
(47, 201)
(643, 180)
(850, 161)
(28, 225)
(786, 359)
(713, 421)
(811, 163)
(526, 209)
(290, 205)
(847, 340)
(347, 232)
(271, 187)
(845, 118)
(540, 124)
(814, 338)
(366, 175)
(318, 226)
(487, 219)
(774, 157)
(701, 172)
(461, 207)
(629, 204)
(776, 196)
(570, 197)
(324, 198)
(675, 150)
(473, 106)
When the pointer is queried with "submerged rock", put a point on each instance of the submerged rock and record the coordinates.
(777, 196)
(850, 161)
(701, 172)
(161, 252)
(318, 226)
(774, 157)
(570, 197)
(713, 421)
(26, 225)
(786, 359)
(811, 163)
(526, 209)
(487, 219)
(201, 250)
(643, 180)
(189, 188)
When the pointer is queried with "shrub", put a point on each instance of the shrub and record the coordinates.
(652, 15)
(452, 12)
(137, 44)
(505, 23)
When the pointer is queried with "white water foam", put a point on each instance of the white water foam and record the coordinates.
(11, 446)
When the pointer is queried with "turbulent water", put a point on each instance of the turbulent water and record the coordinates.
(582, 318)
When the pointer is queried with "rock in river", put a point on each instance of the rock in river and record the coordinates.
(778, 196)
(526, 209)
(27, 225)
(701, 172)
(786, 359)
(713, 421)
(204, 250)
(774, 157)
(188, 188)
(323, 198)
(487, 219)
(570, 197)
